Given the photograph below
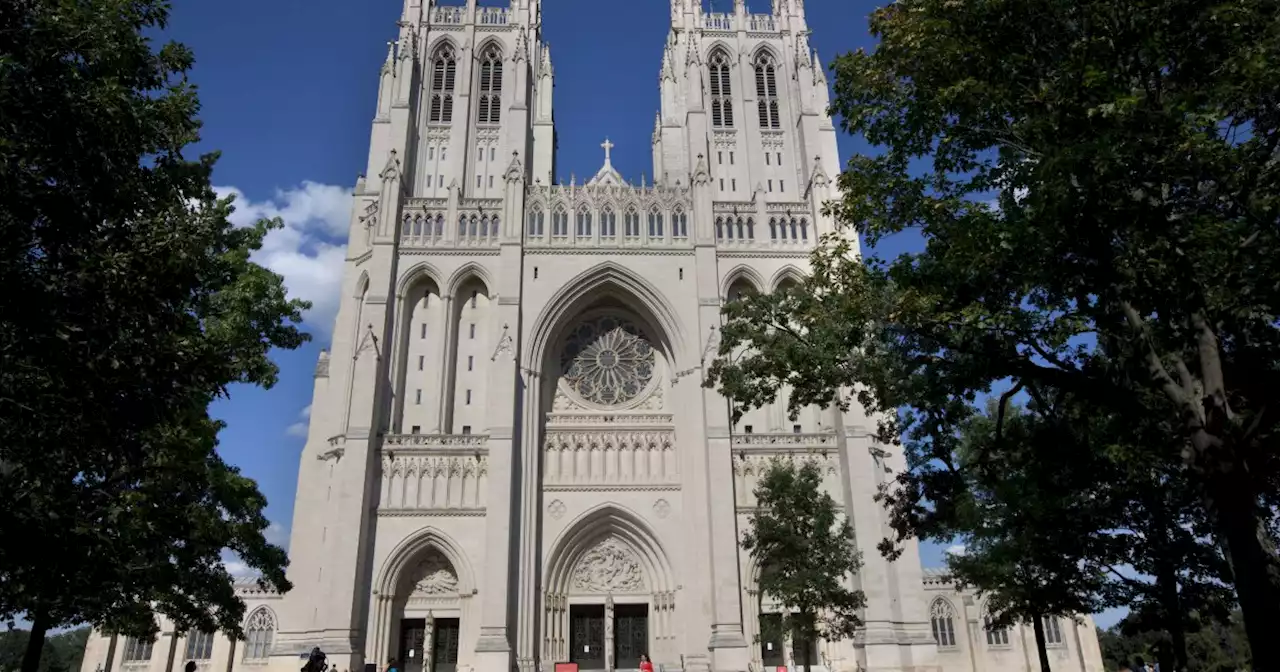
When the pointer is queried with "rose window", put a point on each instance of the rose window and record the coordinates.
(607, 361)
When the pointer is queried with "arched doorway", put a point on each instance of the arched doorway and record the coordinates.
(609, 593)
(422, 606)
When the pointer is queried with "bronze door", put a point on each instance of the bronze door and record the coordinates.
(586, 636)
(771, 653)
(444, 645)
(631, 635)
(413, 632)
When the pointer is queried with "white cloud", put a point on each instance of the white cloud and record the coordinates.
(300, 428)
(956, 549)
(309, 251)
(276, 534)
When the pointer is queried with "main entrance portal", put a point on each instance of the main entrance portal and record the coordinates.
(440, 640)
(586, 636)
(631, 630)
(592, 643)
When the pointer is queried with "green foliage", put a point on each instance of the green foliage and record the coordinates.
(1128, 266)
(131, 306)
(63, 652)
(1217, 647)
(805, 553)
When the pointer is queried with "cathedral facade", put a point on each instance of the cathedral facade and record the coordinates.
(512, 461)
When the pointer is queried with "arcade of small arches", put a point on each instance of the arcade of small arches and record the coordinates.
(603, 221)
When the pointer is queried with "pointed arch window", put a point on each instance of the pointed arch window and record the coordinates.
(584, 223)
(942, 617)
(767, 91)
(560, 224)
(490, 105)
(996, 636)
(721, 90)
(137, 649)
(608, 223)
(444, 71)
(535, 223)
(631, 224)
(1052, 631)
(258, 633)
(655, 224)
(199, 645)
(679, 224)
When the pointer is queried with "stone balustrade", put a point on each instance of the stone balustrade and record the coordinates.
(754, 453)
(434, 474)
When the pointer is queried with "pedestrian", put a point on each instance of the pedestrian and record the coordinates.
(391, 666)
(645, 665)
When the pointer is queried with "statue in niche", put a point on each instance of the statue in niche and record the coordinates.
(610, 567)
(435, 576)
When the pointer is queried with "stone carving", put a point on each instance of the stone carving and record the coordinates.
(437, 577)
(322, 365)
(506, 346)
(610, 567)
(556, 509)
(661, 508)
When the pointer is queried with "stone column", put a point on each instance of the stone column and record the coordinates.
(608, 634)
(428, 642)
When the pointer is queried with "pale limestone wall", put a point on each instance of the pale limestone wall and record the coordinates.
(255, 599)
(974, 650)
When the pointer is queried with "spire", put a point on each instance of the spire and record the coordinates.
(522, 45)
(666, 72)
(692, 57)
(802, 51)
(387, 65)
(819, 75)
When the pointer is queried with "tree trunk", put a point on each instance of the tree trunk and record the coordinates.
(1253, 565)
(1037, 624)
(805, 654)
(173, 649)
(111, 652)
(35, 643)
(1174, 657)
(231, 656)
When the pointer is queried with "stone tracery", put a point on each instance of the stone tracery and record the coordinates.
(607, 361)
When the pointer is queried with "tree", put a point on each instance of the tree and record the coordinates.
(1020, 511)
(1132, 246)
(63, 652)
(804, 548)
(131, 305)
(1217, 647)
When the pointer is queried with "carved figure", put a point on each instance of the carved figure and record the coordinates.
(437, 576)
(610, 567)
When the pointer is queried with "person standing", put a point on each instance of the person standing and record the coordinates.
(645, 665)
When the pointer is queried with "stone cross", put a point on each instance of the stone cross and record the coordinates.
(607, 146)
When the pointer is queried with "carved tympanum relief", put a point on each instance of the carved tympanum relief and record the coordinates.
(609, 567)
(435, 576)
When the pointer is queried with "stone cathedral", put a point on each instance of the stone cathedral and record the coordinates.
(512, 461)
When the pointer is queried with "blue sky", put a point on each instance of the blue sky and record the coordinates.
(287, 89)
